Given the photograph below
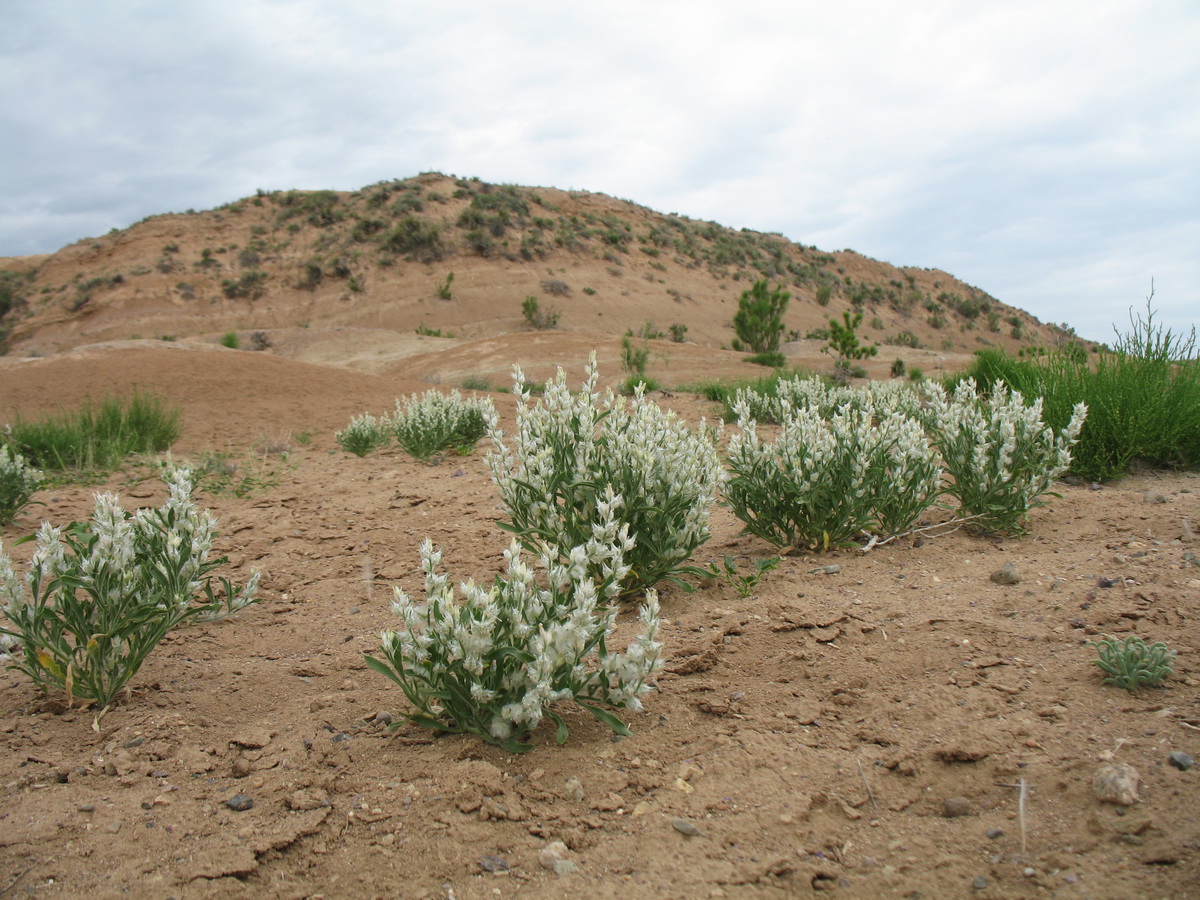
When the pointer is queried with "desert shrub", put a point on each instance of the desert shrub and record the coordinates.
(493, 663)
(759, 319)
(412, 237)
(569, 449)
(834, 473)
(824, 293)
(1000, 455)
(556, 288)
(365, 434)
(678, 332)
(231, 340)
(100, 595)
(250, 285)
(432, 422)
(97, 435)
(898, 368)
(536, 317)
(18, 483)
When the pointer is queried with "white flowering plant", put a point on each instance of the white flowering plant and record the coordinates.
(18, 483)
(100, 595)
(430, 423)
(1000, 456)
(833, 474)
(364, 435)
(493, 662)
(569, 449)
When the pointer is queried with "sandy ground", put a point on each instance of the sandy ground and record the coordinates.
(813, 735)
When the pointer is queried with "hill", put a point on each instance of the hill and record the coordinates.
(448, 257)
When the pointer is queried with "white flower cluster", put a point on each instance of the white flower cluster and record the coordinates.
(492, 663)
(428, 423)
(999, 453)
(363, 435)
(18, 482)
(877, 397)
(115, 586)
(570, 447)
(845, 462)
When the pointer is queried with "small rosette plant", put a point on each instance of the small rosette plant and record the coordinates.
(364, 435)
(492, 663)
(433, 422)
(100, 595)
(1000, 456)
(829, 479)
(1131, 663)
(569, 449)
(18, 483)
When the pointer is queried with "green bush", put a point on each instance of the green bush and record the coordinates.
(493, 663)
(98, 436)
(570, 449)
(231, 340)
(101, 595)
(427, 424)
(18, 482)
(365, 434)
(846, 462)
(1000, 454)
(759, 319)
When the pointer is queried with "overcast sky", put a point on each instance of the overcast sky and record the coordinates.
(1047, 152)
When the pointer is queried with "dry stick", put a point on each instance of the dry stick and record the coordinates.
(870, 793)
(952, 526)
(1024, 792)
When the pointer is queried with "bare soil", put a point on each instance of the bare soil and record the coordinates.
(813, 736)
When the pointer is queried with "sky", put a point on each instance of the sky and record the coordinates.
(1047, 152)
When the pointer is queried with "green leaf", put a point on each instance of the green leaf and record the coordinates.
(607, 718)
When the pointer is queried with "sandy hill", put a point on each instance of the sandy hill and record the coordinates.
(354, 278)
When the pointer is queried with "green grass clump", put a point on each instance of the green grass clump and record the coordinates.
(1143, 397)
(98, 435)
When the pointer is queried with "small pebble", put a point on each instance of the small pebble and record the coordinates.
(832, 569)
(1007, 574)
(563, 867)
(979, 883)
(1181, 760)
(133, 742)
(87, 807)
(552, 854)
(492, 863)
(994, 833)
(684, 827)
(382, 718)
(240, 803)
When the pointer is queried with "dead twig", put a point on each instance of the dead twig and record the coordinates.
(932, 530)
(867, 784)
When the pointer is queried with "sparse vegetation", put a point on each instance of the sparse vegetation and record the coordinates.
(18, 483)
(231, 340)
